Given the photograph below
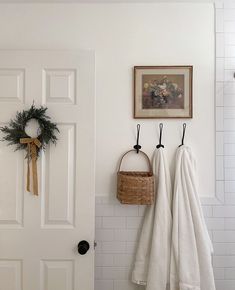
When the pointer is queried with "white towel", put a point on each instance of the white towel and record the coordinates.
(152, 262)
(191, 267)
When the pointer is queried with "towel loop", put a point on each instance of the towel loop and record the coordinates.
(160, 137)
(184, 129)
(137, 147)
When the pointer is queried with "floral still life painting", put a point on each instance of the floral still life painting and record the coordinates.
(163, 92)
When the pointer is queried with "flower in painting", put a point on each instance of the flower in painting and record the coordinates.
(146, 85)
(162, 93)
(175, 86)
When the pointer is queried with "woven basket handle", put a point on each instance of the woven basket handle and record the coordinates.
(146, 156)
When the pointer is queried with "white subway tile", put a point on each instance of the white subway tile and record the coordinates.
(229, 161)
(220, 191)
(229, 88)
(219, 4)
(219, 93)
(224, 211)
(229, 63)
(215, 223)
(126, 285)
(219, 273)
(219, 69)
(131, 247)
(111, 200)
(229, 158)
(219, 20)
(104, 285)
(229, 4)
(115, 273)
(229, 186)
(219, 45)
(113, 247)
(229, 198)
(225, 284)
(224, 249)
(229, 38)
(142, 209)
(229, 14)
(98, 222)
(228, 75)
(229, 100)
(229, 112)
(230, 224)
(219, 143)
(98, 273)
(104, 210)
(128, 235)
(123, 260)
(229, 174)
(224, 261)
(207, 210)
(229, 137)
(229, 151)
(219, 119)
(229, 125)
(229, 51)
(114, 222)
(102, 260)
(104, 235)
(224, 236)
(133, 222)
(230, 273)
(126, 210)
(229, 26)
(219, 168)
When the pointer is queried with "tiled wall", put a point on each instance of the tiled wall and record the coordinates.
(117, 225)
(117, 228)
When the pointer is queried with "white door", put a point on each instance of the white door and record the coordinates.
(39, 235)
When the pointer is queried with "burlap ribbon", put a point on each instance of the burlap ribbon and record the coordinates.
(32, 143)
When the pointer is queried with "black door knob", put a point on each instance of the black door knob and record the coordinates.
(83, 247)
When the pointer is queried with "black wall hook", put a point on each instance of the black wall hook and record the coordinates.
(184, 129)
(137, 147)
(160, 137)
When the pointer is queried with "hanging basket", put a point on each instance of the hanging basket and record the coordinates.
(135, 187)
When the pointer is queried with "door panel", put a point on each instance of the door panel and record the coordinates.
(57, 275)
(12, 85)
(11, 275)
(59, 198)
(59, 85)
(11, 197)
(39, 235)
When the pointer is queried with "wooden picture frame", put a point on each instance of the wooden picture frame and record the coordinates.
(163, 92)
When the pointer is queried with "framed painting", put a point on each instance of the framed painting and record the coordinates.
(163, 91)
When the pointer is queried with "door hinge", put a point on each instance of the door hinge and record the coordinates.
(95, 244)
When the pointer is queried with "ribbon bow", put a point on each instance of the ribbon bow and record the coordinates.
(32, 143)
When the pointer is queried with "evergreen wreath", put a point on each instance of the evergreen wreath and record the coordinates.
(16, 129)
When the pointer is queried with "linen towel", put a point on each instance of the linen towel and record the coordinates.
(152, 261)
(191, 267)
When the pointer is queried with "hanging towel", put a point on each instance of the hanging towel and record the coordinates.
(152, 261)
(191, 267)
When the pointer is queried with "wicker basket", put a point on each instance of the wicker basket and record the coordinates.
(135, 187)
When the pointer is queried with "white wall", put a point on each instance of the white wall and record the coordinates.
(117, 237)
(124, 35)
